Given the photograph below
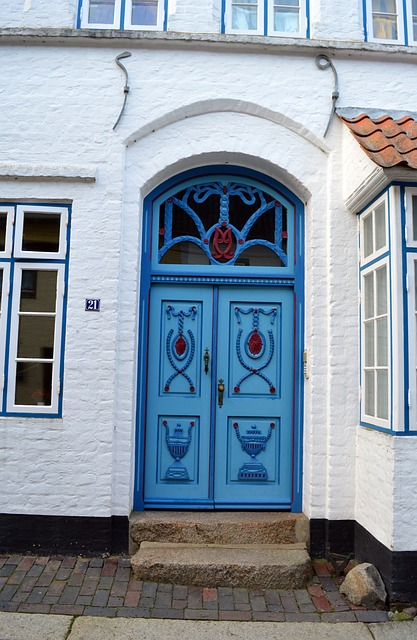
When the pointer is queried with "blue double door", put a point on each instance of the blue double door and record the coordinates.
(220, 394)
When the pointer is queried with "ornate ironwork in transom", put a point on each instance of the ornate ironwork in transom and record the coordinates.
(223, 223)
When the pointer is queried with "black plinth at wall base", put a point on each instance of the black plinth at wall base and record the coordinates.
(336, 536)
(343, 537)
(397, 568)
(63, 535)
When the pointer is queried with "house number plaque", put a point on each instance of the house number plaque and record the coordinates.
(92, 304)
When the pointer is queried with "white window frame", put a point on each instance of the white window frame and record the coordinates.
(409, 193)
(267, 7)
(366, 418)
(84, 13)
(412, 343)
(371, 212)
(13, 262)
(122, 8)
(4, 306)
(400, 24)
(9, 211)
(253, 32)
(159, 22)
(11, 406)
(302, 15)
(45, 255)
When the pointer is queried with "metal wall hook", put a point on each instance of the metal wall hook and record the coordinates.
(121, 56)
(323, 62)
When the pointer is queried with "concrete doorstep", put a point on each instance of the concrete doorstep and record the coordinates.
(20, 626)
(265, 566)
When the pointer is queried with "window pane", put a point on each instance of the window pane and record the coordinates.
(245, 15)
(258, 256)
(382, 342)
(36, 337)
(379, 221)
(41, 231)
(381, 291)
(368, 283)
(385, 27)
(414, 205)
(145, 12)
(38, 291)
(185, 253)
(415, 285)
(286, 20)
(369, 344)
(1, 286)
(101, 12)
(3, 222)
(384, 6)
(369, 393)
(368, 243)
(414, 2)
(33, 383)
(382, 394)
(414, 28)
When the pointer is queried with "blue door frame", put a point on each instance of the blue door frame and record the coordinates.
(217, 286)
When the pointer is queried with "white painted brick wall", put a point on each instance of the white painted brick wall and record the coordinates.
(375, 484)
(336, 19)
(405, 494)
(59, 105)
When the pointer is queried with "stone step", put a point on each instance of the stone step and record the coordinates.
(265, 566)
(218, 527)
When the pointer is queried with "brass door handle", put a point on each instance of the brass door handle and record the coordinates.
(220, 390)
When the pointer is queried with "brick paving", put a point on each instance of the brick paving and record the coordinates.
(106, 587)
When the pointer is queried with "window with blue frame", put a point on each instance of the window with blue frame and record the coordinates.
(266, 17)
(411, 281)
(375, 317)
(391, 21)
(33, 265)
(122, 14)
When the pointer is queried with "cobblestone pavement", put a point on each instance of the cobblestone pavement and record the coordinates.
(106, 587)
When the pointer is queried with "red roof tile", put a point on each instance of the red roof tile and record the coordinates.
(386, 141)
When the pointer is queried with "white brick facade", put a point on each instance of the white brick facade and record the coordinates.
(191, 105)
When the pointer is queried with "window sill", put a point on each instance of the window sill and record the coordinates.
(176, 38)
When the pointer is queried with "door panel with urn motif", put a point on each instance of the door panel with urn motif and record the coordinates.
(219, 425)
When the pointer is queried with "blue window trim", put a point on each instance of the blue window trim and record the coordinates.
(122, 17)
(384, 256)
(144, 318)
(266, 3)
(404, 252)
(12, 261)
(406, 19)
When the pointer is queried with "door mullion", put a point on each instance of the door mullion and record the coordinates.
(213, 395)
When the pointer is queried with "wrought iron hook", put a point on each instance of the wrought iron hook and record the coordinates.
(121, 56)
(323, 62)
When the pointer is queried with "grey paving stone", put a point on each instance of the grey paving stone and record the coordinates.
(339, 616)
(200, 614)
(374, 616)
(394, 631)
(149, 589)
(133, 612)
(108, 612)
(15, 626)
(303, 617)
(168, 613)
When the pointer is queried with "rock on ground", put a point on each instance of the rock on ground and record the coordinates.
(363, 586)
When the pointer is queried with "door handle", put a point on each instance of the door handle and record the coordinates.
(206, 359)
(220, 390)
